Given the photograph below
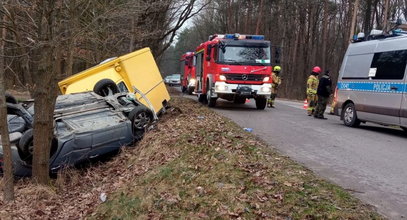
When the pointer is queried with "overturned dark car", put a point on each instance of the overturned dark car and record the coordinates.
(86, 126)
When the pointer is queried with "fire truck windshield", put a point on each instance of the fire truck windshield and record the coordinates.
(245, 55)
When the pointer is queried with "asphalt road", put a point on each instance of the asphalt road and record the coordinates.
(369, 161)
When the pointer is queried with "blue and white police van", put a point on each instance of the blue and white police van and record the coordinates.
(372, 82)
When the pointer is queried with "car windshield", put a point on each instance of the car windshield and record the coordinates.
(175, 77)
(245, 55)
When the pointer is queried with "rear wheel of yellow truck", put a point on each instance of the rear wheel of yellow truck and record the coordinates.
(105, 87)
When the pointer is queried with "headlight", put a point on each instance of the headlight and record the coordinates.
(266, 89)
(222, 78)
(266, 79)
(192, 81)
(221, 87)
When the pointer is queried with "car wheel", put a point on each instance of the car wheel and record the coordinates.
(105, 87)
(261, 103)
(11, 99)
(26, 146)
(239, 100)
(349, 116)
(140, 118)
(184, 89)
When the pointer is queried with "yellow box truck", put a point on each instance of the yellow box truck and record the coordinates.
(135, 72)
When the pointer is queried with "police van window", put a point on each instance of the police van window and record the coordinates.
(122, 87)
(390, 65)
(357, 66)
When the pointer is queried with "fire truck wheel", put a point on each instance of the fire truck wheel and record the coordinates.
(202, 98)
(261, 103)
(211, 101)
(190, 90)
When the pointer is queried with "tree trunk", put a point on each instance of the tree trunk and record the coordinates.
(353, 24)
(368, 16)
(5, 140)
(259, 17)
(386, 13)
(324, 35)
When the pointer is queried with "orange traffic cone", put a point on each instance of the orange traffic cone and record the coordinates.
(305, 104)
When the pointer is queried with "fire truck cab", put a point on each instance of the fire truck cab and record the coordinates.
(188, 78)
(233, 67)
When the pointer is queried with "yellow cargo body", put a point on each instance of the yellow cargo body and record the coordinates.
(136, 69)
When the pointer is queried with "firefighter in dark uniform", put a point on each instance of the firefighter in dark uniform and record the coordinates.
(323, 92)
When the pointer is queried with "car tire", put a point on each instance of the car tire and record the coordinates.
(261, 103)
(349, 115)
(11, 99)
(239, 100)
(183, 89)
(26, 146)
(140, 118)
(106, 87)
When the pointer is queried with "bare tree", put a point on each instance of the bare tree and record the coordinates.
(5, 141)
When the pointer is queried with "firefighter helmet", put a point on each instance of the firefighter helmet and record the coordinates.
(277, 69)
(316, 69)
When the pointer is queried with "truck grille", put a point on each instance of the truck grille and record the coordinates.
(244, 77)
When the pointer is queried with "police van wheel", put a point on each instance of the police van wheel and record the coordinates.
(350, 117)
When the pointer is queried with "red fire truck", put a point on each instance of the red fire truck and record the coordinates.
(233, 67)
(188, 79)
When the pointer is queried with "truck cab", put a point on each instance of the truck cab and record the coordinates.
(188, 78)
(233, 67)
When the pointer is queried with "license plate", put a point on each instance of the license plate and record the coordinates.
(244, 89)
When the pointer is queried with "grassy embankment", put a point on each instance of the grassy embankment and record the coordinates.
(200, 164)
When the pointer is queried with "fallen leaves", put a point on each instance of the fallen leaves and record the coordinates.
(193, 164)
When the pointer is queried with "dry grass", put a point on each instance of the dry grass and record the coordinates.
(194, 164)
(209, 168)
